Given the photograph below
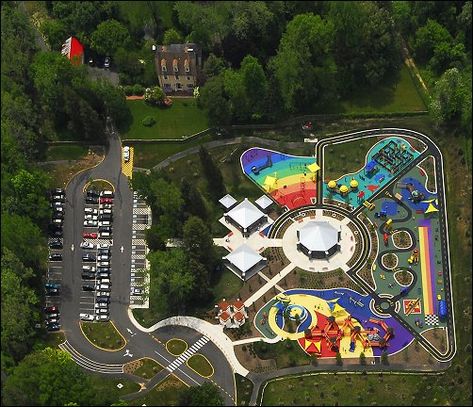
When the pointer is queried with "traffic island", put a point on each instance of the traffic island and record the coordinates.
(176, 346)
(145, 368)
(201, 365)
(103, 335)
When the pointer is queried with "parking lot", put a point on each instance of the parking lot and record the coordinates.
(139, 278)
(96, 271)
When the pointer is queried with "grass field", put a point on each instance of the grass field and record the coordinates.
(68, 152)
(165, 394)
(183, 118)
(107, 386)
(148, 369)
(176, 346)
(399, 97)
(286, 353)
(201, 365)
(103, 334)
(244, 390)
(227, 286)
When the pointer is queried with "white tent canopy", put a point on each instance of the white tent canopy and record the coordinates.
(244, 258)
(318, 236)
(228, 201)
(245, 214)
(263, 202)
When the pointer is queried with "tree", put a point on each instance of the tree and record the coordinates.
(449, 103)
(338, 359)
(255, 83)
(108, 36)
(17, 299)
(154, 96)
(384, 358)
(447, 55)
(171, 36)
(199, 243)
(173, 282)
(114, 102)
(235, 90)
(153, 238)
(362, 359)
(214, 177)
(47, 378)
(428, 37)
(213, 66)
(55, 31)
(401, 11)
(207, 394)
(130, 68)
(168, 207)
(304, 66)
(214, 100)
(193, 202)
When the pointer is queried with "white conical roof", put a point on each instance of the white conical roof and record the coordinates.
(244, 257)
(318, 236)
(245, 213)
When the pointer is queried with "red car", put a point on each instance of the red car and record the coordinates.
(51, 309)
(106, 200)
(90, 235)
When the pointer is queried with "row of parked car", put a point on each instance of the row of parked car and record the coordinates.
(96, 257)
(55, 243)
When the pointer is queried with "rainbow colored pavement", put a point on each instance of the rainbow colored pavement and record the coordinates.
(290, 180)
(426, 253)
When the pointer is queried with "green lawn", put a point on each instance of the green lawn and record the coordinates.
(244, 390)
(148, 369)
(108, 387)
(103, 334)
(183, 118)
(401, 96)
(176, 346)
(285, 353)
(165, 394)
(201, 365)
(227, 286)
(67, 152)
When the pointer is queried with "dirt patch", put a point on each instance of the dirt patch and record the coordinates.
(413, 356)
(64, 172)
(438, 338)
(390, 260)
(330, 279)
(403, 277)
(402, 239)
(132, 366)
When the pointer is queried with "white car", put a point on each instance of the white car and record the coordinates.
(126, 153)
(107, 206)
(101, 305)
(105, 211)
(87, 245)
(103, 246)
(107, 194)
(89, 222)
(105, 223)
(103, 257)
(86, 317)
(105, 234)
(103, 293)
(88, 268)
(136, 291)
(104, 264)
(91, 210)
(102, 311)
(105, 281)
(102, 318)
(90, 216)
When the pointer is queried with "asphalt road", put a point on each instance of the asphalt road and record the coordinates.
(139, 344)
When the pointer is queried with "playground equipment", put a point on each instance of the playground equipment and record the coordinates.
(414, 258)
(388, 225)
(393, 156)
(343, 190)
(386, 239)
(415, 195)
(380, 214)
(256, 170)
(368, 337)
(371, 168)
(307, 126)
(412, 305)
(353, 184)
(442, 309)
(398, 196)
(283, 299)
(332, 184)
(369, 205)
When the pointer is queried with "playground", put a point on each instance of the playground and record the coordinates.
(382, 162)
(289, 180)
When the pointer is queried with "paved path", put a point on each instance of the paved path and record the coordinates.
(270, 284)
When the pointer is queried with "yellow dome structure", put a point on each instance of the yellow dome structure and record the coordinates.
(343, 189)
(354, 183)
(332, 184)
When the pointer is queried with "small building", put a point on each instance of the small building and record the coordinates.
(228, 201)
(178, 67)
(318, 239)
(231, 314)
(370, 167)
(264, 202)
(73, 50)
(246, 217)
(244, 262)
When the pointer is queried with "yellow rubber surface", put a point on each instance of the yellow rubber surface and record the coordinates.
(127, 168)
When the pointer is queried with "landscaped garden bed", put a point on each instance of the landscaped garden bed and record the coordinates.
(103, 335)
(201, 365)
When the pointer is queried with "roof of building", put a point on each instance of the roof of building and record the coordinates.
(223, 305)
(228, 201)
(370, 165)
(263, 202)
(181, 56)
(224, 316)
(238, 304)
(332, 184)
(238, 316)
(354, 183)
(73, 50)
(244, 257)
(245, 214)
(318, 236)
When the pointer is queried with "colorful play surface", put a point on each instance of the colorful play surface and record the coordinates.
(290, 180)
(338, 320)
(381, 172)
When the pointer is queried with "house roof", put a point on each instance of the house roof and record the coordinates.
(244, 257)
(318, 236)
(263, 202)
(181, 56)
(73, 50)
(245, 214)
(228, 201)
(223, 305)
(224, 316)
(238, 304)
(238, 316)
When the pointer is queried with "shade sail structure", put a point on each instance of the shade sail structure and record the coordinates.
(263, 202)
(245, 214)
(244, 258)
(318, 236)
(313, 167)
